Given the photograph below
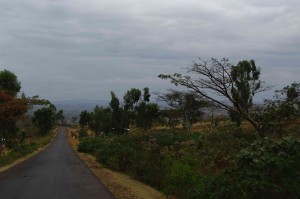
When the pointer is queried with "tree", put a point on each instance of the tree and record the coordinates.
(188, 104)
(117, 112)
(44, 119)
(59, 117)
(146, 114)
(229, 87)
(84, 118)
(101, 120)
(283, 108)
(131, 98)
(146, 94)
(12, 107)
(9, 82)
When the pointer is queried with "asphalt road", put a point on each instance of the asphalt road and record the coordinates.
(55, 173)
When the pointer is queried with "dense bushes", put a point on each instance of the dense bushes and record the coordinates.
(211, 165)
(266, 169)
(172, 163)
(90, 145)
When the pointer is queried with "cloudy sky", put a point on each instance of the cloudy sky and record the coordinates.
(75, 49)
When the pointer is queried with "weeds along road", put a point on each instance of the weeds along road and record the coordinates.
(55, 173)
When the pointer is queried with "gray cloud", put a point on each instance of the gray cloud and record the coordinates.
(63, 49)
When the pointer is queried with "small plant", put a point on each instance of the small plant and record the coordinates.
(82, 133)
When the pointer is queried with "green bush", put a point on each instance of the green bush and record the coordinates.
(179, 179)
(116, 154)
(175, 164)
(90, 145)
(266, 169)
(82, 133)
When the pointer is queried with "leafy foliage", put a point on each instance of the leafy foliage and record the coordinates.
(187, 105)
(90, 145)
(283, 108)
(146, 113)
(12, 107)
(9, 83)
(44, 119)
(266, 169)
(85, 118)
(101, 120)
(172, 163)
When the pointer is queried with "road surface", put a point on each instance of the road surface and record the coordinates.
(55, 173)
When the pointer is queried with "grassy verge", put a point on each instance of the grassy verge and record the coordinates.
(120, 185)
(26, 150)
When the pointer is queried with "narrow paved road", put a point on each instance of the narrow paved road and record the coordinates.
(55, 173)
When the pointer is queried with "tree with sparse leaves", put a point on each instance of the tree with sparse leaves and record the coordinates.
(283, 108)
(227, 86)
(188, 104)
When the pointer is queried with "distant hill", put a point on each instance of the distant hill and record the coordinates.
(74, 107)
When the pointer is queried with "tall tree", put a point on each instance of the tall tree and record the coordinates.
(188, 104)
(84, 118)
(146, 114)
(12, 107)
(101, 120)
(230, 87)
(59, 117)
(9, 82)
(146, 94)
(44, 119)
(131, 98)
(114, 104)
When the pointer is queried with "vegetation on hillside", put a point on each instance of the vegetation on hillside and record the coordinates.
(251, 153)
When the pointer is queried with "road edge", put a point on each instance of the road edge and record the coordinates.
(28, 156)
(117, 183)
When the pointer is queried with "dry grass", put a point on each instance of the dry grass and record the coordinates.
(120, 185)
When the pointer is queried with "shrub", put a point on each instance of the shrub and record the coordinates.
(90, 145)
(82, 133)
(179, 179)
(266, 169)
(117, 154)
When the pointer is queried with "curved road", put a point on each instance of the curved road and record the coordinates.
(55, 173)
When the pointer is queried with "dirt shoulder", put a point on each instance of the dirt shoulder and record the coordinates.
(120, 185)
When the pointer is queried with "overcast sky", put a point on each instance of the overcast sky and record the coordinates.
(83, 49)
